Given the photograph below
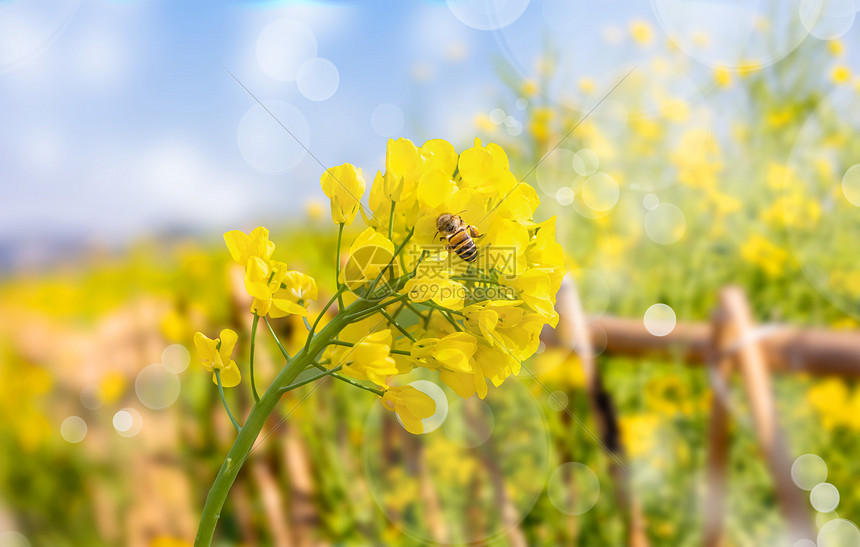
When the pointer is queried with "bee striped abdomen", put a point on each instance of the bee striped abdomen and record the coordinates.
(462, 244)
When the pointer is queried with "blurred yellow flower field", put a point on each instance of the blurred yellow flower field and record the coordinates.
(474, 426)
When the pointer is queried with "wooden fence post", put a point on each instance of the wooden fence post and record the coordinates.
(757, 384)
(719, 371)
(575, 332)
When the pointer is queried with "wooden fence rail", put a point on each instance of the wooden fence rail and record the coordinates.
(786, 348)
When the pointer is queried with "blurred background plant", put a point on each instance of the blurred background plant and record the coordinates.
(720, 158)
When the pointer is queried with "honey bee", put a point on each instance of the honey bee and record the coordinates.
(459, 236)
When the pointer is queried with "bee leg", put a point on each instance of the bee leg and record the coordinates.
(474, 232)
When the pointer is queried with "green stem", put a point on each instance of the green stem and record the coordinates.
(224, 400)
(350, 344)
(322, 313)
(277, 341)
(253, 344)
(397, 325)
(257, 419)
(311, 379)
(351, 382)
(337, 268)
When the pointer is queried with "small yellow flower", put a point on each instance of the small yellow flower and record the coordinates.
(215, 355)
(411, 405)
(534, 287)
(453, 352)
(641, 32)
(433, 283)
(369, 254)
(244, 247)
(292, 296)
(344, 185)
(368, 359)
(840, 74)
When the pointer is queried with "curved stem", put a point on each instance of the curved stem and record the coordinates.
(253, 344)
(310, 380)
(257, 419)
(337, 268)
(277, 341)
(351, 381)
(224, 401)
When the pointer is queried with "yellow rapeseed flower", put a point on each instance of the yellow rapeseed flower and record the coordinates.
(770, 258)
(344, 185)
(411, 405)
(215, 355)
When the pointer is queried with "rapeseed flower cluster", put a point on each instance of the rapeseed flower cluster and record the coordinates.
(407, 300)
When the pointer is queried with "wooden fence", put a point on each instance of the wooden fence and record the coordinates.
(730, 344)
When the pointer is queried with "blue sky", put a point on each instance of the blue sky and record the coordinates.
(119, 118)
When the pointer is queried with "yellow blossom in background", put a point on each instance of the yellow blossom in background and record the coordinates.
(528, 88)
(314, 209)
(840, 74)
(722, 76)
(639, 433)
(836, 47)
(767, 256)
(411, 405)
(216, 355)
(587, 85)
(484, 123)
(344, 185)
(641, 32)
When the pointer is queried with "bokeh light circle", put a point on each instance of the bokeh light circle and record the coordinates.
(156, 386)
(92, 397)
(558, 400)
(808, 470)
(73, 429)
(28, 29)
(487, 14)
(839, 533)
(851, 185)
(282, 46)
(665, 223)
(11, 538)
(555, 171)
(176, 358)
(387, 120)
(435, 392)
(594, 291)
(318, 79)
(827, 19)
(817, 208)
(573, 488)
(600, 192)
(586, 162)
(263, 142)
(472, 426)
(564, 195)
(463, 466)
(650, 201)
(824, 497)
(127, 422)
(734, 33)
(659, 319)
